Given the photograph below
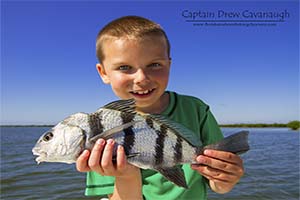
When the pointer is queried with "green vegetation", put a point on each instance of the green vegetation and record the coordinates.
(275, 125)
(294, 125)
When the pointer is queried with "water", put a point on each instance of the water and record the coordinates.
(272, 168)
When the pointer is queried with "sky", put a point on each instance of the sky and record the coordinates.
(245, 66)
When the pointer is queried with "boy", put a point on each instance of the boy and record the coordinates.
(134, 55)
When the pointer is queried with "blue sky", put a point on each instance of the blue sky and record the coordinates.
(246, 74)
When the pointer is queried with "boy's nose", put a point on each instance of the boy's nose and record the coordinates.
(140, 77)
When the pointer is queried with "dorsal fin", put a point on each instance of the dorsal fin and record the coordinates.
(177, 128)
(122, 106)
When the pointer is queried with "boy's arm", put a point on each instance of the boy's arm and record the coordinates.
(127, 188)
(128, 182)
(222, 169)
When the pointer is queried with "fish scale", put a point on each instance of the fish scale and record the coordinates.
(143, 145)
(178, 150)
(150, 141)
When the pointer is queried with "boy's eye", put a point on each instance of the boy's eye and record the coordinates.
(155, 65)
(124, 68)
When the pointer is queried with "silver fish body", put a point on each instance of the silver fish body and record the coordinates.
(150, 141)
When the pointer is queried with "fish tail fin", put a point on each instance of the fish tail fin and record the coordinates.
(236, 143)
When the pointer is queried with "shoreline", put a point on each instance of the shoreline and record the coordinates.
(46, 125)
(275, 125)
(294, 125)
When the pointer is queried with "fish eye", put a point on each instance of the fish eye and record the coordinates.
(48, 136)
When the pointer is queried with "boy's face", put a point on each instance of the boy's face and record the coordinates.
(137, 69)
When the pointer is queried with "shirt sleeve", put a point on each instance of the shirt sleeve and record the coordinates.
(97, 185)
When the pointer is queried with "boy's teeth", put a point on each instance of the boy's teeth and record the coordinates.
(142, 92)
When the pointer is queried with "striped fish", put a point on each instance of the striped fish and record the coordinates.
(150, 141)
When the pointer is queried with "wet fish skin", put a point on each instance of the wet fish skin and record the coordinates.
(150, 141)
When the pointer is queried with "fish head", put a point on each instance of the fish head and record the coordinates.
(63, 143)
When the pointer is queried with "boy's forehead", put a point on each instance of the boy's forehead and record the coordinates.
(124, 44)
(134, 40)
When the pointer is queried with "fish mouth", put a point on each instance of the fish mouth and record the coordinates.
(41, 155)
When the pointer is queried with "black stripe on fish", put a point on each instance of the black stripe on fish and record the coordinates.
(127, 117)
(178, 150)
(159, 148)
(129, 139)
(95, 124)
(149, 122)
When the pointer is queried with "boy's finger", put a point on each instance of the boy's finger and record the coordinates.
(106, 161)
(82, 162)
(121, 158)
(219, 164)
(95, 157)
(223, 155)
(213, 174)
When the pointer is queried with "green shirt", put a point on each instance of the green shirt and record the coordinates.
(195, 115)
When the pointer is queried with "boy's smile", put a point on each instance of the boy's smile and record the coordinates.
(139, 69)
(141, 94)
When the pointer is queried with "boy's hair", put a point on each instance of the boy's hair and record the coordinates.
(129, 26)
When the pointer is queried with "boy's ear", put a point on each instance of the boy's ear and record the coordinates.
(102, 73)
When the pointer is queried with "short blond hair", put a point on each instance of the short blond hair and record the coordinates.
(129, 26)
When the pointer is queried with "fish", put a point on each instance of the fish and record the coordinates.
(150, 141)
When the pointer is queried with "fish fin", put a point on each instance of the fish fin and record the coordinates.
(136, 160)
(236, 143)
(129, 157)
(122, 105)
(174, 174)
(110, 132)
(177, 128)
(132, 158)
(132, 155)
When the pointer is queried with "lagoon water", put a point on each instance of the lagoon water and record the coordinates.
(272, 168)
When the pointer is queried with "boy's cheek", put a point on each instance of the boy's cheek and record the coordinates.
(119, 82)
(121, 91)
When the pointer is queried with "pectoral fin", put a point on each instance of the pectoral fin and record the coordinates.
(175, 175)
(111, 132)
(129, 157)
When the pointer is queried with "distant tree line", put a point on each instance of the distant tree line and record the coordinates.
(45, 125)
(294, 125)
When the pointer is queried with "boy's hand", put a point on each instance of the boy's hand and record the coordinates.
(100, 160)
(128, 182)
(222, 169)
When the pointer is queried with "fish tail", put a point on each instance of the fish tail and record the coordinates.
(236, 143)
